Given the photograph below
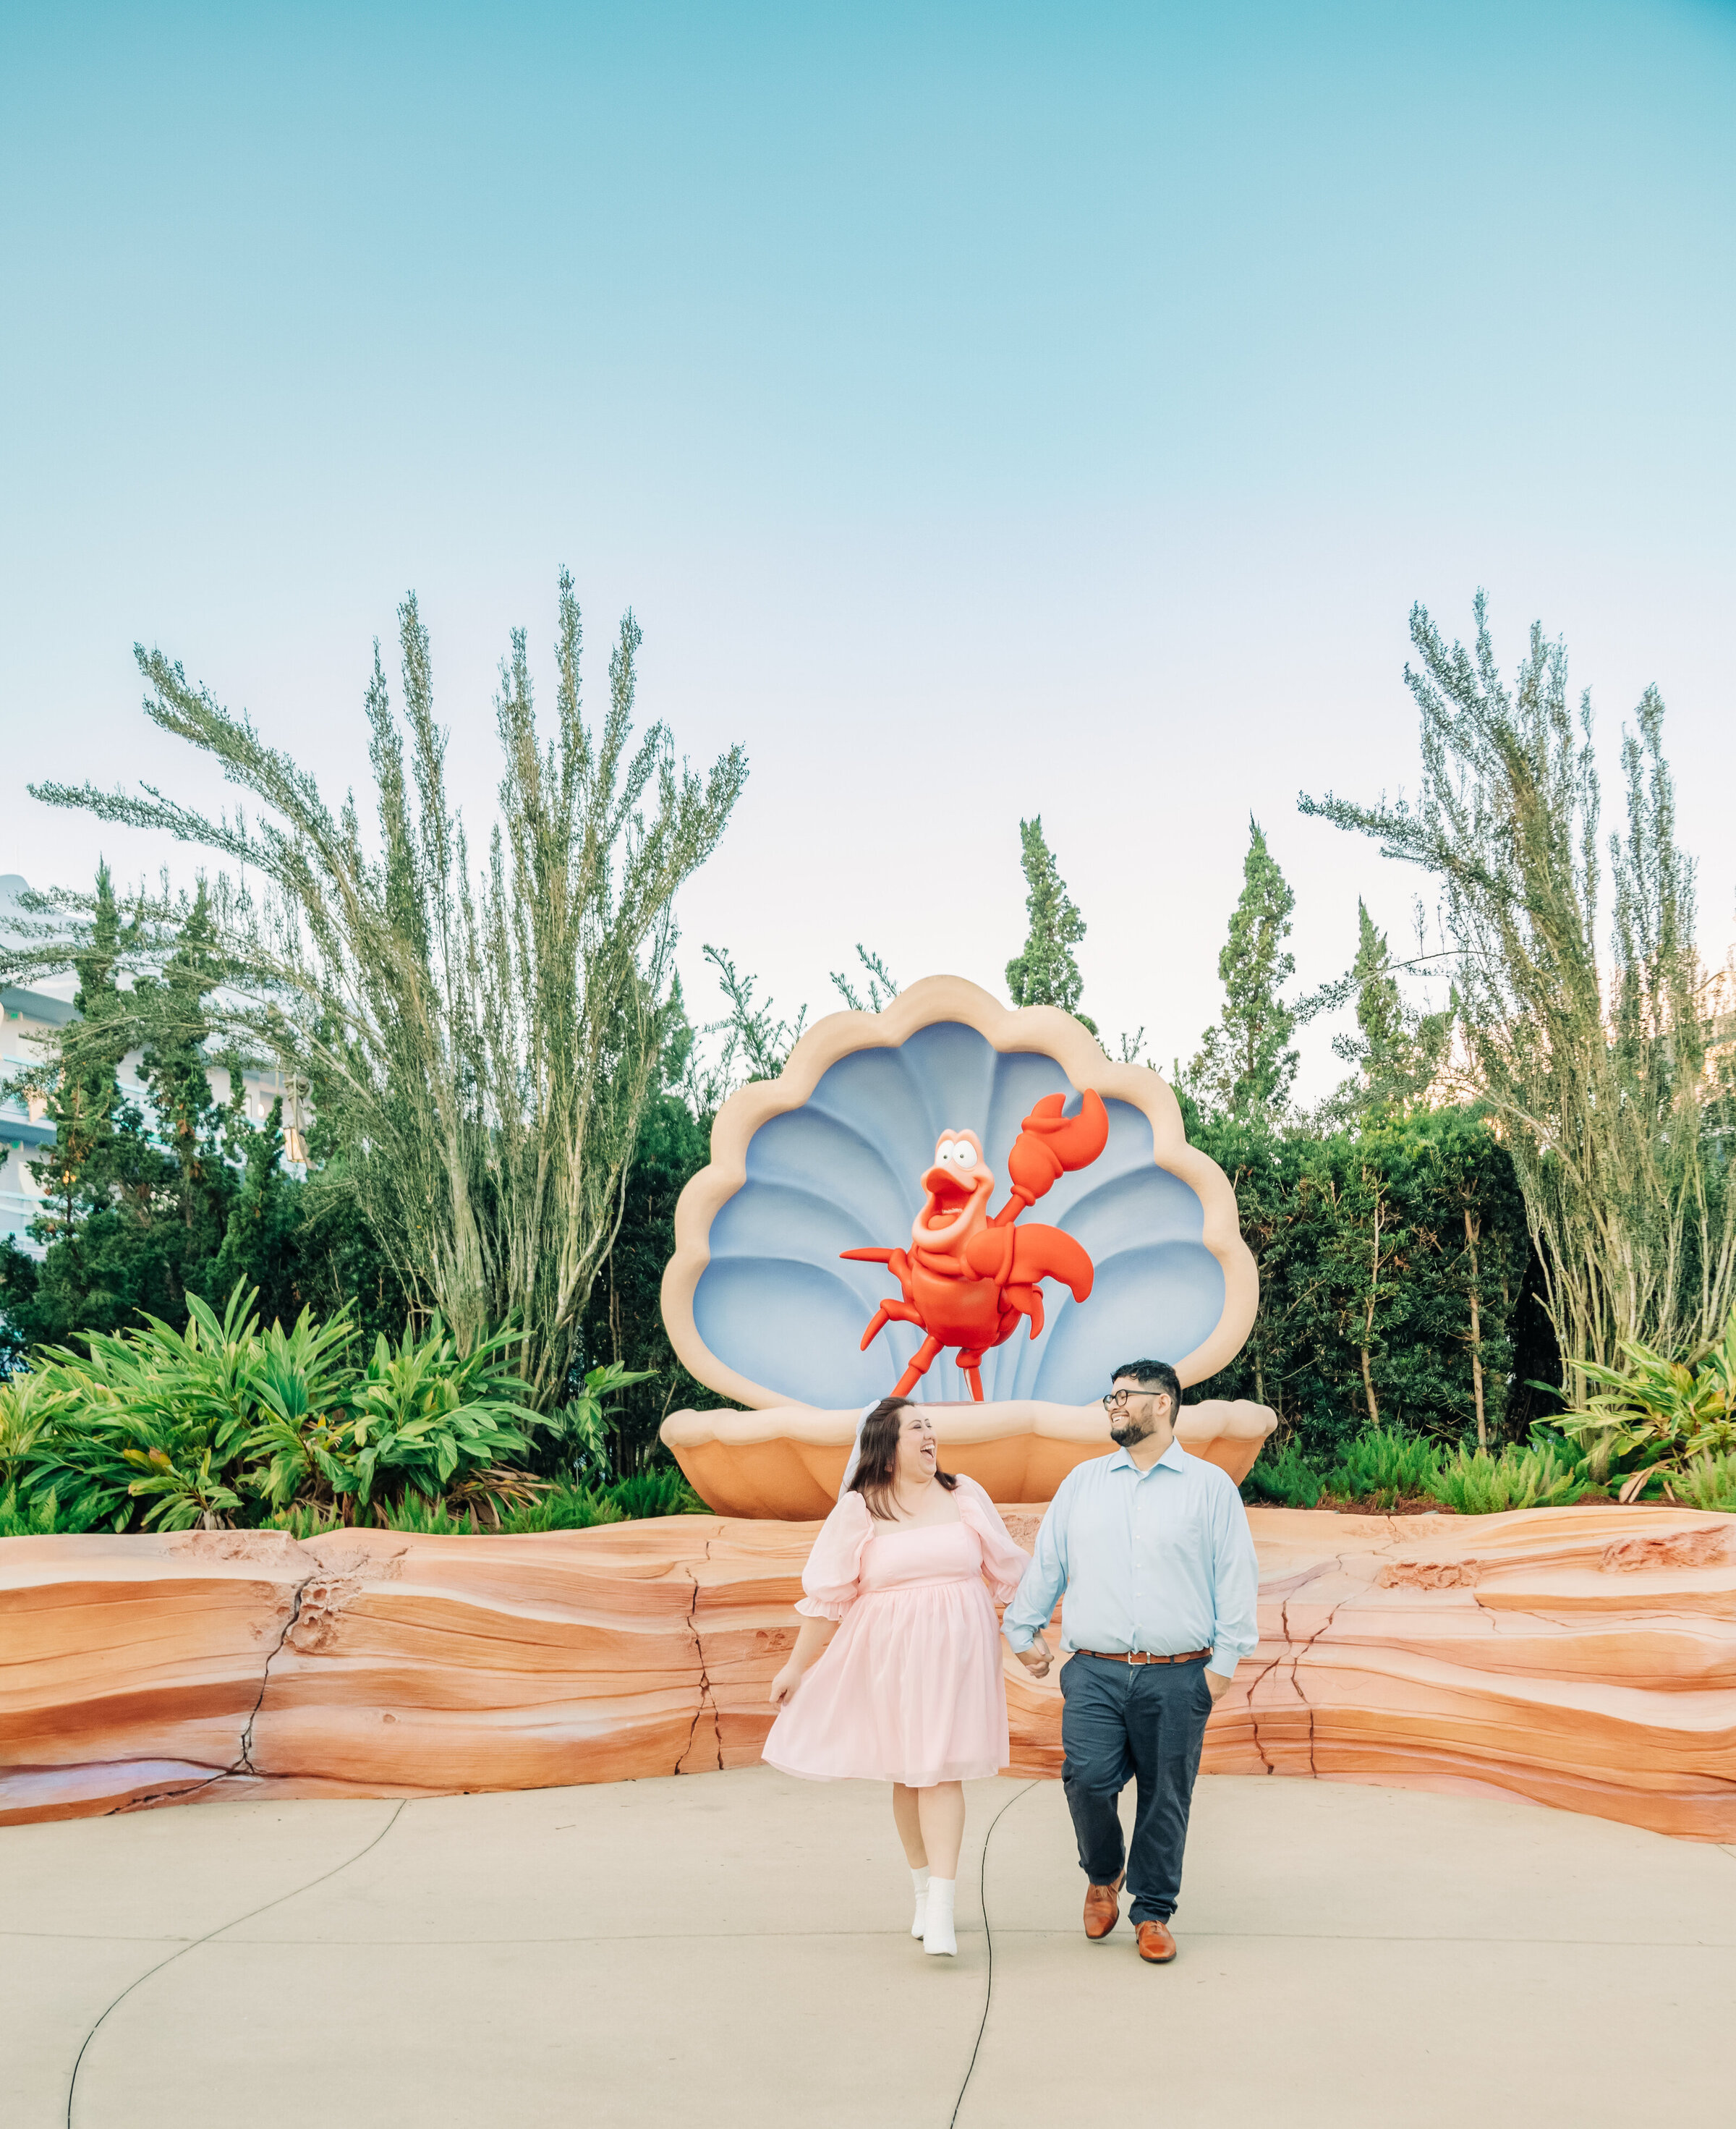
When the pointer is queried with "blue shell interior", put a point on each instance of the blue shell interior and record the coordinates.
(841, 1173)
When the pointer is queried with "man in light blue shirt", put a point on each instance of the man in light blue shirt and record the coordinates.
(1152, 1550)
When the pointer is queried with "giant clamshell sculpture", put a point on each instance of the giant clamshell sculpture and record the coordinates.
(818, 1173)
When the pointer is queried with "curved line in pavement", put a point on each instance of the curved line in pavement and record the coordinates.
(989, 1991)
(234, 1922)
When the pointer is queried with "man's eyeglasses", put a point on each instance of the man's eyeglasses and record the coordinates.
(1116, 1400)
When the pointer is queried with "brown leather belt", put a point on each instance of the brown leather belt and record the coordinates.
(1141, 1656)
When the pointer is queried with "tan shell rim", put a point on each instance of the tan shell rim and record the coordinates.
(1043, 1029)
(958, 1424)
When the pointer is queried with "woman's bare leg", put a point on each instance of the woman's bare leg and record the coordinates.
(940, 1816)
(905, 1818)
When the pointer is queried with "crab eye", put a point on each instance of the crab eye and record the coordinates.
(964, 1153)
(944, 1151)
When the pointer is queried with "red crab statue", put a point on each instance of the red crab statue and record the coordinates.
(967, 1277)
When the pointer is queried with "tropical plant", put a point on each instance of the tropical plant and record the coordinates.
(481, 1047)
(299, 1384)
(1657, 1412)
(228, 1423)
(225, 1423)
(154, 1414)
(1617, 1111)
(29, 1402)
(424, 1417)
(1543, 1476)
(580, 1432)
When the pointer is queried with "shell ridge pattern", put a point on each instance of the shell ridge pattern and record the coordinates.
(842, 1170)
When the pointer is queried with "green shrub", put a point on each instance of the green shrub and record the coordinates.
(29, 1403)
(579, 1445)
(1384, 1466)
(424, 1518)
(566, 1508)
(660, 1490)
(1709, 1482)
(1286, 1479)
(1543, 1476)
(41, 1518)
(156, 1415)
(309, 1520)
(225, 1423)
(555, 1507)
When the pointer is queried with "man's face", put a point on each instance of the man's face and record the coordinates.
(1136, 1412)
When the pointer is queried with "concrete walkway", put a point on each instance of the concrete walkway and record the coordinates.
(731, 1949)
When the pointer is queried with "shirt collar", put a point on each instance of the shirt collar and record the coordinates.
(1174, 1458)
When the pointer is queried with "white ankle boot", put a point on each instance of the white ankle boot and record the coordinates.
(919, 1886)
(937, 1932)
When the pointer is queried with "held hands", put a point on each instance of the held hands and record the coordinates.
(1037, 1658)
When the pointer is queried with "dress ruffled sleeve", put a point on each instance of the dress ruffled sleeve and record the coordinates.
(1003, 1562)
(833, 1570)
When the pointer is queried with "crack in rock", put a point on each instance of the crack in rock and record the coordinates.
(1253, 1713)
(706, 1702)
(244, 1764)
(1297, 1651)
(315, 1603)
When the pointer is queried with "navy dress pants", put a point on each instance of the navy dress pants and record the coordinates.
(1143, 1723)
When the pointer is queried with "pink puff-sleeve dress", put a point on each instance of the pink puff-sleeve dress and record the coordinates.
(908, 1688)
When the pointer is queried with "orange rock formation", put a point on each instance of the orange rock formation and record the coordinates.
(1583, 1657)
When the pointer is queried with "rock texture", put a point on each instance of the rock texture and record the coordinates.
(1581, 1657)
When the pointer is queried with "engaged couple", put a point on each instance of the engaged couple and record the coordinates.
(896, 1675)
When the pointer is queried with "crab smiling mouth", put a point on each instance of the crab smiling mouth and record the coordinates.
(955, 1188)
(947, 1193)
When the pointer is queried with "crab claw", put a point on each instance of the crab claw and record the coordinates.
(1050, 1146)
(1018, 1257)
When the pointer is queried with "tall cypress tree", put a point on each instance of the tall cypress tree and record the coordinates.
(103, 1178)
(1044, 972)
(1397, 1051)
(176, 1016)
(76, 1173)
(1245, 1067)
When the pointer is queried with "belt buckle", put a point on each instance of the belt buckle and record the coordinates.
(1139, 1656)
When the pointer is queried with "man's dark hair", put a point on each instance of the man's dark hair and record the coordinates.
(1153, 1375)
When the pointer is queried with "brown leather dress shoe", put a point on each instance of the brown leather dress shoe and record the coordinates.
(1102, 1910)
(1155, 1943)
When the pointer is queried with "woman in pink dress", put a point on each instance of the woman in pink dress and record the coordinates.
(896, 1673)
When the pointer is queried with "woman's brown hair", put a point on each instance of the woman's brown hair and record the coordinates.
(876, 1461)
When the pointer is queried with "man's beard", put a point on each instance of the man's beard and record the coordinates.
(1124, 1432)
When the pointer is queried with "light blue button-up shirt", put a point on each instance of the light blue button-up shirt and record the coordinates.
(1160, 1559)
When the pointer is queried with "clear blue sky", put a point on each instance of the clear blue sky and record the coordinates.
(984, 409)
